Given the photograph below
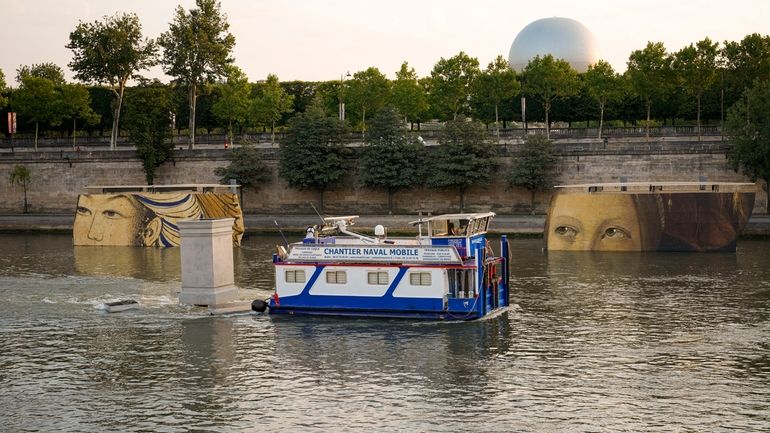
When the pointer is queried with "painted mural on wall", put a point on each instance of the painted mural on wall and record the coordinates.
(647, 221)
(148, 219)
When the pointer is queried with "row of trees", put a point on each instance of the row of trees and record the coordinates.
(698, 81)
(314, 157)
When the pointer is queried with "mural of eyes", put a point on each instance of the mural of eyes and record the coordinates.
(615, 233)
(566, 231)
(84, 210)
(112, 214)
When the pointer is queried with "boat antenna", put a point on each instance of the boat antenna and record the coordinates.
(316, 212)
(281, 232)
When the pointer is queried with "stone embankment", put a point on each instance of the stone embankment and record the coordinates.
(519, 225)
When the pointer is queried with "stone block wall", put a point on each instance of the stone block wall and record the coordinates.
(58, 177)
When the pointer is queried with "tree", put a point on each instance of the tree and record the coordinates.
(546, 79)
(745, 61)
(393, 158)
(196, 50)
(74, 102)
(464, 157)
(20, 175)
(110, 52)
(408, 96)
(234, 100)
(496, 84)
(36, 99)
(450, 85)
(649, 73)
(696, 67)
(533, 167)
(603, 85)
(369, 91)
(748, 128)
(50, 71)
(313, 155)
(271, 104)
(149, 126)
(246, 167)
(3, 99)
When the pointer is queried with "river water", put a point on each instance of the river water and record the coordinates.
(595, 343)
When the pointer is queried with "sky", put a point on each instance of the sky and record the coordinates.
(320, 40)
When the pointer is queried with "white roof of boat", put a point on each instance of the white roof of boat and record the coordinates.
(454, 216)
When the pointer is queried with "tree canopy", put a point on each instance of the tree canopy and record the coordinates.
(696, 69)
(271, 103)
(464, 157)
(313, 155)
(234, 100)
(533, 166)
(368, 91)
(450, 85)
(393, 158)
(546, 79)
(496, 84)
(604, 85)
(110, 52)
(149, 126)
(197, 49)
(748, 127)
(247, 168)
(36, 100)
(649, 73)
(408, 96)
(49, 70)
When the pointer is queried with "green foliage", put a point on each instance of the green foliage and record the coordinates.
(75, 103)
(196, 50)
(3, 99)
(649, 74)
(313, 156)
(393, 158)
(50, 71)
(696, 69)
(546, 79)
(149, 126)
(533, 166)
(246, 167)
(368, 91)
(233, 103)
(495, 85)
(603, 85)
(110, 52)
(20, 175)
(408, 95)
(271, 103)
(36, 100)
(745, 62)
(450, 85)
(464, 158)
(748, 127)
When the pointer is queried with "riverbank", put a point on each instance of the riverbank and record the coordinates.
(517, 225)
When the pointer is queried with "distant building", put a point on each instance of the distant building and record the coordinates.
(563, 38)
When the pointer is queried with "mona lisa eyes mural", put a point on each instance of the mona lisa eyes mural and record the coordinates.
(148, 219)
(648, 217)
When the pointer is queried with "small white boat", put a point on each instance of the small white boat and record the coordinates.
(118, 306)
(447, 272)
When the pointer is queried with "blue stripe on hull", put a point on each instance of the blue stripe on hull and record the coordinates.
(350, 312)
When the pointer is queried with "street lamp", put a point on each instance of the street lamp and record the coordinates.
(342, 102)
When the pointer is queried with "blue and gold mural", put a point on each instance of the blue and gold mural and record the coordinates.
(149, 219)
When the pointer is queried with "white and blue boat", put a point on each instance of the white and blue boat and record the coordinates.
(447, 272)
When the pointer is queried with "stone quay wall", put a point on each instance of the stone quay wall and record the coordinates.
(57, 177)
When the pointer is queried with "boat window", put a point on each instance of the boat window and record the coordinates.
(439, 228)
(377, 278)
(419, 278)
(295, 276)
(336, 277)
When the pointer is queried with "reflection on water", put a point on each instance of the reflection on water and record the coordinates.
(595, 342)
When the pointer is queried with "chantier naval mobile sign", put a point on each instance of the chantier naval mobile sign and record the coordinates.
(375, 254)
